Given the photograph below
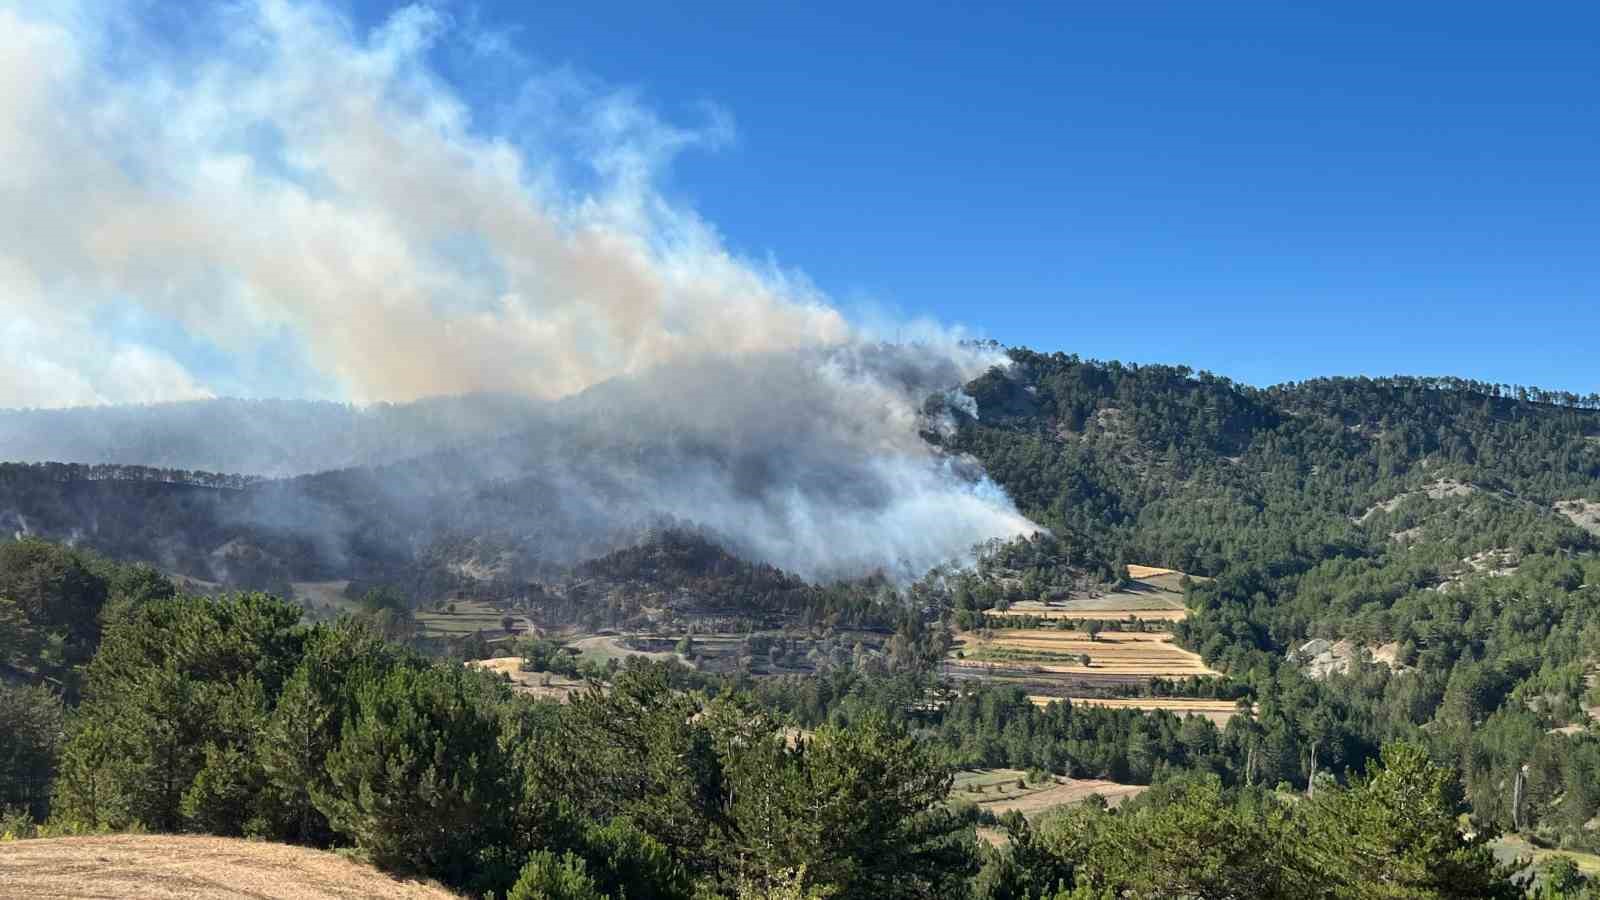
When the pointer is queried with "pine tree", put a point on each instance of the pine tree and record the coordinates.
(297, 739)
(419, 779)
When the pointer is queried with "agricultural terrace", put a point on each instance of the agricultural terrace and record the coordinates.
(1110, 655)
(1150, 595)
(1218, 711)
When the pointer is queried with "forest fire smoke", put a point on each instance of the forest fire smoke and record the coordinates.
(281, 203)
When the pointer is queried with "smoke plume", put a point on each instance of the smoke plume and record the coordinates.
(271, 201)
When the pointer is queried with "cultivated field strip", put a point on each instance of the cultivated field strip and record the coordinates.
(1063, 652)
(1218, 711)
(1058, 613)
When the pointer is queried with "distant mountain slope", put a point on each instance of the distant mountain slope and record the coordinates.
(258, 437)
(1167, 465)
(810, 461)
(1151, 464)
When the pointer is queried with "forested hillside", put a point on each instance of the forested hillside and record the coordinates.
(1442, 525)
(1395, 582)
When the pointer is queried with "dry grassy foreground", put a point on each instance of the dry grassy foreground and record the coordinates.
(166, 867)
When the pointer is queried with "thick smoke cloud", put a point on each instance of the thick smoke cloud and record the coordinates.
(274, 183)
(812, 458)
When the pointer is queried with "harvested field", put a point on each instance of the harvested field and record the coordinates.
(1050, 662)
(1043, 683)
(1218, 711)
(1118, 604)
(166, 867)
(1067, 791)
(1153, 595)
(1048, 651)
(1000, 793)
(1073, 610)
(536, 684)
(470, 616)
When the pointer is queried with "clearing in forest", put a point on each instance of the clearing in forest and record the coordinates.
(1064, 792)
(1151, 595)
(546, 685)
(603, 647)
(1000, 791)
(159, 867)
(1583, 513)
(469, 616)
(324, 594)
(1510, 849)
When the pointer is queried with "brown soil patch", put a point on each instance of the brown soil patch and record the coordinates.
(167, 867)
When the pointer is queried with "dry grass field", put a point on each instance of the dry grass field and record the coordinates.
(1078, 613)
(536, 684)
(1049, 651)
(1152, 595)
(167, 867)
(1055, 663)
(602, 647)
(1136, 571)
(470, 616)
(1065, 792)
(1218, 711)
(1000, 791)
(324, 593)
(1512, 848)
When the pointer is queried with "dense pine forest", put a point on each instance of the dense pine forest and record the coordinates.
(1442, 516)
(1443, 534)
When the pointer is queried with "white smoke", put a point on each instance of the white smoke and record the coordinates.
(282, 177)
(301, 178)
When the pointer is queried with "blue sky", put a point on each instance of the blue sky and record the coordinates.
(1271, 191)
(380, 201)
